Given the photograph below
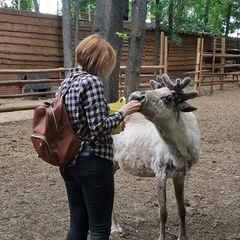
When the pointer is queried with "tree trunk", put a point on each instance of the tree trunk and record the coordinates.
(125, 9)
(157, 33)
(108, 21)
(66, 31)
(136, 44)
(228, 21)
(76, 29)
(170, 20)
(207, 10)
(36, 5)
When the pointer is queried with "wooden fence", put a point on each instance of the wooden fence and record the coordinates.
(144, 83)
(30, 40)
(216, 67)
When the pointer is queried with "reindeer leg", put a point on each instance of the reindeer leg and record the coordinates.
(161, 192)
(116, 229)
(179, 193)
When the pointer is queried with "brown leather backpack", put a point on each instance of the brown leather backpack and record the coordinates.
(53, 137)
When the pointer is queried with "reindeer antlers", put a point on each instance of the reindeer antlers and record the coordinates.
(177, 88)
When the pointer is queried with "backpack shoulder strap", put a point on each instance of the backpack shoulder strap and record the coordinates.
(85, 128)
(83, 133)
(60, 90)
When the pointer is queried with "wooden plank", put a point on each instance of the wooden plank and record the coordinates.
(31, 40)
(221, 74)
(196, 75)
(53, 37)
(165, 55)
(222, 55)
(221, 65)
(33, 70)
(27, 95)
(9, 57)
(22, 82)
(208, 83)
(223, 50)
(18, 108)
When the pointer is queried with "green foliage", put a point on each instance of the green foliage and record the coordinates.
(194, 16)
(189, 16)
(87, 6)
(136, 33)
(27, 5)
(124, 36)
(175, 39)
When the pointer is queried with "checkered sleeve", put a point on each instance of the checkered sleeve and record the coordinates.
(97, 110)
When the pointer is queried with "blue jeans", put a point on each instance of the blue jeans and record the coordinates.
(90, 190)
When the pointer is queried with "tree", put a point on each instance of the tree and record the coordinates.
(2, 3)
(87, 6)
(24, 5)
(108, 21)
(125, 9)
(235, 16)
(170, 19)
(199, 16)
(136, 44)
(76, 32)
(36, 5)
(207, 10)
(229, 10)
(67, 36)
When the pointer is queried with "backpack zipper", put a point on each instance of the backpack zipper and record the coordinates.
(54, 118)
(42, 138)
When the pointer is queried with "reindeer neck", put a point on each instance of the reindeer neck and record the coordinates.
(177, 134)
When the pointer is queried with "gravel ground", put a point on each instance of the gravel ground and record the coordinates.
(33, 200)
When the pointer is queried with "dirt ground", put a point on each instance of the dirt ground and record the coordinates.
(33, 200)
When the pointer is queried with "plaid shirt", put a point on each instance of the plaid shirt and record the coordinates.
(85, 103)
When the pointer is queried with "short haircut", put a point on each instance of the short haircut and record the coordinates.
(96, 56)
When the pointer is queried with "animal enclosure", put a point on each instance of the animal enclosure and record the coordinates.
(30, 40)
(216, 66)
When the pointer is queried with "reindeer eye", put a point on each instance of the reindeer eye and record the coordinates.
(167, 99)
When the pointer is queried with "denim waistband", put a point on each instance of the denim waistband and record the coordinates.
(86, 152)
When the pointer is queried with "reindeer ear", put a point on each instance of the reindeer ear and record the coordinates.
(186, 107)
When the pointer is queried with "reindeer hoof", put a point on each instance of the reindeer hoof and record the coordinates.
(116, 231)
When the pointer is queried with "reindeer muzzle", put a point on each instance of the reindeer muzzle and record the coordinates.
(140, 96)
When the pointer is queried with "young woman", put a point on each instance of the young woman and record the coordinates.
(89, 179)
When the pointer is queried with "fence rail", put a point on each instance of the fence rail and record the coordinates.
(18, 108)
(148, 72)
(10, 71)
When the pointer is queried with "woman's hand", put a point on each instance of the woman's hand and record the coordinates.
(131, 107)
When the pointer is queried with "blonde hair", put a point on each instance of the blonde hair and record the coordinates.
(96, 56)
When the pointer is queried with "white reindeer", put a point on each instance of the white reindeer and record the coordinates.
(165, 149)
